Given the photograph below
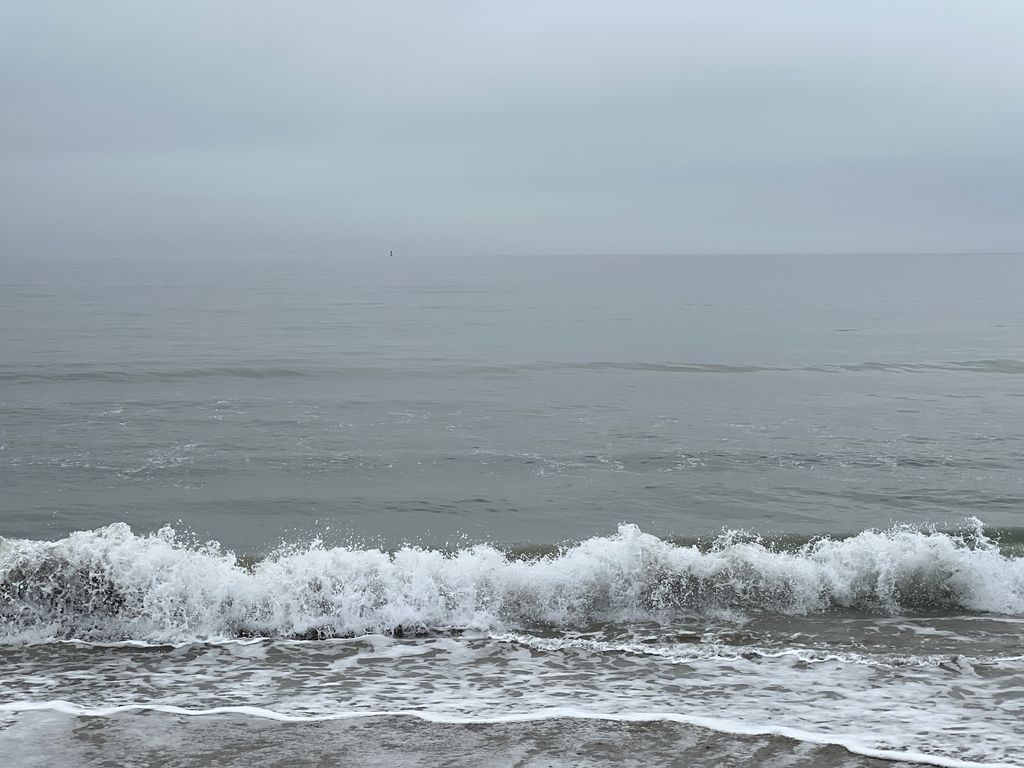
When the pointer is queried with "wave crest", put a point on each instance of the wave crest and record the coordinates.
(111, 584)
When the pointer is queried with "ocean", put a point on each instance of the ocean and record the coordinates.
(531, 511)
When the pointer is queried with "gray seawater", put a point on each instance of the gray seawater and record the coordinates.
(512, 510)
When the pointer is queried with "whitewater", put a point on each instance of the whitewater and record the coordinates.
(909, 633)
(113, 585)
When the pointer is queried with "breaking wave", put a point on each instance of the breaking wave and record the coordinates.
(113, 585)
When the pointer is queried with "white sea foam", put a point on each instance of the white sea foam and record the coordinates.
(685, 653)
(113, 585)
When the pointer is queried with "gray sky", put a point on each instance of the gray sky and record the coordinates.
(515, 127)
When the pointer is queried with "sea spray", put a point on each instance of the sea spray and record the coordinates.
(112, 584)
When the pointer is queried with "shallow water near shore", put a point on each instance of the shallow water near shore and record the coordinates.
(164, 741)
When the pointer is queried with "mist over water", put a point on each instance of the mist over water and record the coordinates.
(778, 498)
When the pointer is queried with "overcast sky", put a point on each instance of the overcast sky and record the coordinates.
(451, 126)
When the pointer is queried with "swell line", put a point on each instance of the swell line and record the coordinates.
(139, 374)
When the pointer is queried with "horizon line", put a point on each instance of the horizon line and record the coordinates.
(505, 254)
